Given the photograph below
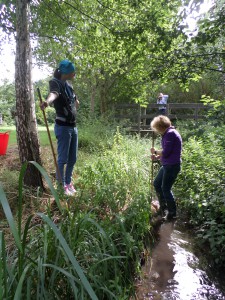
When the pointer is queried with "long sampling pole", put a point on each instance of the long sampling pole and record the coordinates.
(50, 139)
(152, 166)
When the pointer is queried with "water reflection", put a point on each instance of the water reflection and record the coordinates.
(173, 272)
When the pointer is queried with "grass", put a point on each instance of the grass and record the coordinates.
(16, 279)
(92, 248)
(41, 130)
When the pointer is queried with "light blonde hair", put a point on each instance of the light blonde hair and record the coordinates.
(160, 124)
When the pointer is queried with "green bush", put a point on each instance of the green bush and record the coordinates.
(95, 134)
(118, 177)
(202, 179)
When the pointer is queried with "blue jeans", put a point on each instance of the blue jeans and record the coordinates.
(67, 146)
(163, 184)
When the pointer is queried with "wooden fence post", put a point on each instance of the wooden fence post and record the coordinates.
(167, 110)
(196, 114)
(138, 114)
(139, 119)
(144, 112)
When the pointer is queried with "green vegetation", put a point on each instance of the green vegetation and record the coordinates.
(143, 47)
(202, 179)
(7, 102)
(12, 133)
(95, 242)
(104, 229)
(41, 129)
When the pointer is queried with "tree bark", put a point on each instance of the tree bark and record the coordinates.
(92, 103)
(26, 125)
(102, 92)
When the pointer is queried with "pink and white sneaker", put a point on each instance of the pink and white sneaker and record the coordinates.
(71, 188)
(67, 192)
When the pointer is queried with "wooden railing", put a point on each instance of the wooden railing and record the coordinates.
(140, 118)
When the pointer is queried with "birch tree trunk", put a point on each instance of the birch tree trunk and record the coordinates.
(26, 125)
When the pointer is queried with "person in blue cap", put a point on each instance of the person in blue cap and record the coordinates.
(65, 102)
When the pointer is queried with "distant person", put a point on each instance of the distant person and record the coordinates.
(170, 156)
(162, 100)
(65, 102)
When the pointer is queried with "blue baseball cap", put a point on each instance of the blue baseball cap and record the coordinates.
(66, 67)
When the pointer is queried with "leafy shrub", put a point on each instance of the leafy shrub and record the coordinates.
(216, 112)
(202, 179)
(96, 134)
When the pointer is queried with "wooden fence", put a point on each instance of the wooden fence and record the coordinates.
(139, 118)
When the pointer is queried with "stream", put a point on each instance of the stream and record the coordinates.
(174, 272)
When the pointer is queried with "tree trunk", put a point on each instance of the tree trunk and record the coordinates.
(26, 125)
(92, 104)
(102, 93)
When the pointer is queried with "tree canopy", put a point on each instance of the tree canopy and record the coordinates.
(124, 49)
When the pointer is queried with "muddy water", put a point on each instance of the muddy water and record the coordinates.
(174, 272)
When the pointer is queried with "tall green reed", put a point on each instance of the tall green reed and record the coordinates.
(18, 267)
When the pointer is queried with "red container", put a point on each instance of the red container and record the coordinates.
(4, 139)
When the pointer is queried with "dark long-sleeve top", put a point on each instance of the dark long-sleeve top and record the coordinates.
(171, 147)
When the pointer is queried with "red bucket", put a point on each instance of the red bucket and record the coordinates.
(4, 139)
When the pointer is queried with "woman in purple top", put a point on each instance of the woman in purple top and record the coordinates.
(170, 157)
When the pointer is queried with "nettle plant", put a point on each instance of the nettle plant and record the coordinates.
(202, 179)
(216, 112)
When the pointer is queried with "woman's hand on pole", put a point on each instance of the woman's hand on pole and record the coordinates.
(50, 99)
(152, 150)
(43, 105)
(155, 157)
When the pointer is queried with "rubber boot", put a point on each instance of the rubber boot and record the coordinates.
(162, 204)
(172, 210)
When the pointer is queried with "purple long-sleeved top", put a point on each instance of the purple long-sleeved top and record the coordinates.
(171, 146)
